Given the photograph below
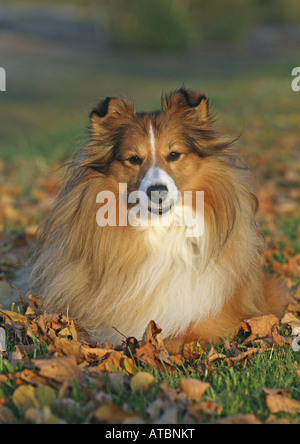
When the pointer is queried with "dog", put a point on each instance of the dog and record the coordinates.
(116, 277)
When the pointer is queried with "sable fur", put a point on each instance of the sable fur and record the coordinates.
(122, 277)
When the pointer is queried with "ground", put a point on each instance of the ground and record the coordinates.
(47, 373)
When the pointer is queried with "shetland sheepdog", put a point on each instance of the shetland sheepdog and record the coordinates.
(113, 276)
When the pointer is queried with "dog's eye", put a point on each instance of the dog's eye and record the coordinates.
(135, 160)
(173, 156)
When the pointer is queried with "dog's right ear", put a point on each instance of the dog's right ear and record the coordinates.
(111, 107)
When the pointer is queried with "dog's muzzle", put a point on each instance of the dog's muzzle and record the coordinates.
(160, 191)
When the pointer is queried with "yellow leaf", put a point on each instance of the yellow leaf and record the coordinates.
(129, 366)
(18, 318)
(24, 398)
(112, 414)
(142, 382)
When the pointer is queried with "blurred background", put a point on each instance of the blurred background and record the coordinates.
(62, 56)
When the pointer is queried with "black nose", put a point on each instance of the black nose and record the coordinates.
(157, 193)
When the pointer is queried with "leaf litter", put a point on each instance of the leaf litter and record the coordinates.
(69, 358)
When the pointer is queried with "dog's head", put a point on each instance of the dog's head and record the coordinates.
(159, 153)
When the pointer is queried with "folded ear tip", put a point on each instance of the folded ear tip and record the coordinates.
(114, 106)
(101, 109)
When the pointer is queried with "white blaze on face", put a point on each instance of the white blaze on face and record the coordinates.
(156, 176)
(152, 142)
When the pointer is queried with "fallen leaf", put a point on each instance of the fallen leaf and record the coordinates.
(260, 327)
(142, 382)
(129, 366)
(213, 355)
(146, 354)
(94, 354)
(112, 414)
(242, 356)
(112, 362)
(24, 398)
(295, 308)
(282, 404)
(274, 391)
(58, 369)
(152, 330)
(193, 351)
(177, 360)
(194, 388)
(66, 347)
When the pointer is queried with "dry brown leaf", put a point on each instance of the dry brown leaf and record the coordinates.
(242, 356)
(94, 354)
(152, 330)
(146, 354)
(260, 327)
(194, 388)
(69, 331)
(66, 347)
(273, 392)
(290, 319)
(177, 360)
(112, 362)
(30, 377)
(282, 404)
(280, 340)
(213, 355)
(193, 351)
(59, 369)
(295, 308)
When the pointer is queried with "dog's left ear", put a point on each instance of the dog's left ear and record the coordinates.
(111, 107)
(194, 103)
